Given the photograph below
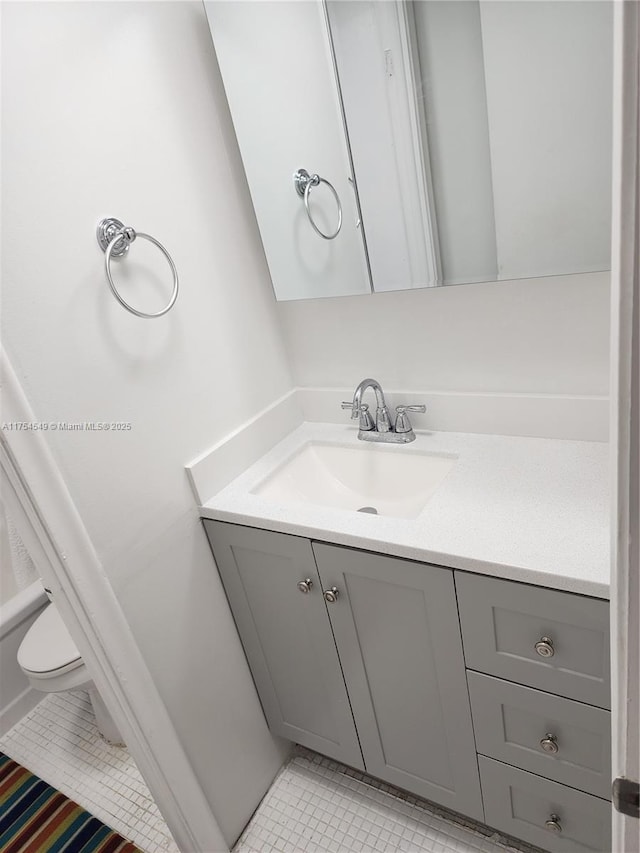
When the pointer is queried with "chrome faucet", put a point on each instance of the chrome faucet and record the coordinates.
(382, 429)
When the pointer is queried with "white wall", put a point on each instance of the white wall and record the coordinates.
(118, 109)
(532, 336)
(449, 39)
(549, 80)
(518, 102)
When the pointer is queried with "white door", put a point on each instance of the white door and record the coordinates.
(625, 426)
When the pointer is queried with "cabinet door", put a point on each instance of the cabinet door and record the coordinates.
(287, 637)
(396, 628)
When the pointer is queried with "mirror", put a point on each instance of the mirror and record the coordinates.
(453, 142)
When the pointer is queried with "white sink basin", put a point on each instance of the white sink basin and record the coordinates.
(395, 481)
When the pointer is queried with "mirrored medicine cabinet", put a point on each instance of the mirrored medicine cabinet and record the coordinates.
(392, 145)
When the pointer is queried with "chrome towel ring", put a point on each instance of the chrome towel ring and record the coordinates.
(303, 182)
(114, 239)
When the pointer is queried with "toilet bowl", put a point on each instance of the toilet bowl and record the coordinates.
(52, 663)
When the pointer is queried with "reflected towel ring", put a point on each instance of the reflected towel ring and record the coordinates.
(303, 182)
(114, 239)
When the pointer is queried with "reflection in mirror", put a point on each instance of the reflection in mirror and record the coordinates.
(481, 135)
(278, 73)
(466, 141)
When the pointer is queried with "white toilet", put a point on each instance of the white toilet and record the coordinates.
(52, 663)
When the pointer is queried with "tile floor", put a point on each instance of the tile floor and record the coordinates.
(59, 742)
(315, 805)
(318, 806)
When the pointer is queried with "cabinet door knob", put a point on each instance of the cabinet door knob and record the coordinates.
(549, 743)
(553, 824)
(544, 647)
(305, 586)
(331, 595)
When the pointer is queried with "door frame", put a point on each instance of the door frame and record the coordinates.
(625, 421)
(72, 571)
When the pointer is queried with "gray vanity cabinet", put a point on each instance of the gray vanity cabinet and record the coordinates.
(387, 627)
(361, 656)
(287, 637)
(395, 624)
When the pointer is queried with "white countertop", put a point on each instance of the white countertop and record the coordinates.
(527, 509)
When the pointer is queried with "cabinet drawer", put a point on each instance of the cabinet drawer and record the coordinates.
(520, 804)
(511, 721)
(502, 622)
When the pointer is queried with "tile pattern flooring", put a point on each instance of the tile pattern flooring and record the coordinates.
(59, 742)
(318, 806)
(314, 806)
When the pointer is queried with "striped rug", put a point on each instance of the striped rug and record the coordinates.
(36, 818)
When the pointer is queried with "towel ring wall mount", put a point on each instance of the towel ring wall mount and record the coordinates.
(303, 182)
(115, 239)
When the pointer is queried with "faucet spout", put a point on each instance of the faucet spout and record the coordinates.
(382, 413)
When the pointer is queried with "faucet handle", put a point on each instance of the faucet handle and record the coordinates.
(403, 424)
(366, 421)
(417, 408)
(355, 411)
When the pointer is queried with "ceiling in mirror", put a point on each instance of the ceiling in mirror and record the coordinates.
(442, 142)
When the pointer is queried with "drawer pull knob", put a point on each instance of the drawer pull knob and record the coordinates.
(544, 647)
(331, 595)
(553, 824)
(549, 743)
(305, 586)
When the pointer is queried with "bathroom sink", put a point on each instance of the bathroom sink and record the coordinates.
(391, 481)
